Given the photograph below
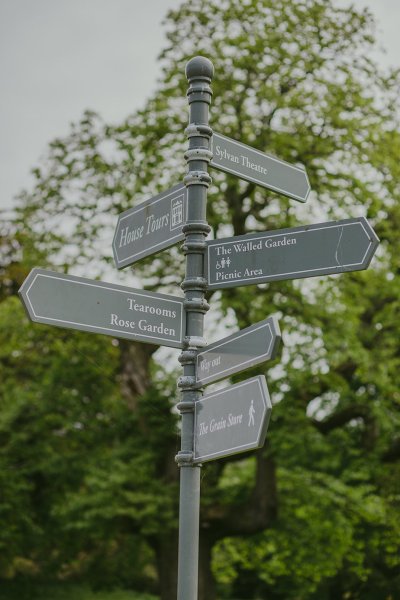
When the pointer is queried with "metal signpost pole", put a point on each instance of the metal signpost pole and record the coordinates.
(199, 72)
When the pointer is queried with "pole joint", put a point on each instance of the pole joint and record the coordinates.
(194, 284)
(198, 154)
(198, 130)
(194, 342)
(184, 459)
(188, 356)
(186, 382)
(197, 178)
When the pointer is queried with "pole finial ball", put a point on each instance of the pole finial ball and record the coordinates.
(199, 66)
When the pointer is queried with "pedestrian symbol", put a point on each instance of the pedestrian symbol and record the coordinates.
(251, 413)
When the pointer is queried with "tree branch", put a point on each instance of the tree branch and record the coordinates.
(393, 453)
(256, 512)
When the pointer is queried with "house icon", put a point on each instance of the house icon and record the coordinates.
(177, 212)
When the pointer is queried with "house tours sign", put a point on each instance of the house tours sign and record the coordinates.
(150, 227)
(308, 251)
(99, 307)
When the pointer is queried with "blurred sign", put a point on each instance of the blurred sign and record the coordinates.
(242, 350)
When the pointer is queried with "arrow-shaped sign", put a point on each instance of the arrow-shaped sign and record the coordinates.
(242, 350)
(232, 420)
(150, 227)
(321, 249)
(99, 307)
(257, 167)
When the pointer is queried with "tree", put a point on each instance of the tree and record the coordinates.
(296, 80)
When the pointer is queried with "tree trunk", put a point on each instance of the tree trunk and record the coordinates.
(166, 549)
(134, 375)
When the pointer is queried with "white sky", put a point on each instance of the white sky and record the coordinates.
(59, 57)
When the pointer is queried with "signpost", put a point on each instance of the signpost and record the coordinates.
(232, 420)
(99, 307)
(257, 167)
(322, 249)
(236, 418)
(242, 350)
(150, 227)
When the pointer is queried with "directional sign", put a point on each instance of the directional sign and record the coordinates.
(232, 420)
(99, 307)
(150, 227)
(242, 350)
(255, 166)
(322, 249)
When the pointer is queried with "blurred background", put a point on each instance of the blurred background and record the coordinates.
(93, 112)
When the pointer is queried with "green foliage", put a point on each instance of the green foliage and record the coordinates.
(66, 437)
(66, 592)
(324, 513)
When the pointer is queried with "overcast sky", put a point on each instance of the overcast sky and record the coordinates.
(60, 57)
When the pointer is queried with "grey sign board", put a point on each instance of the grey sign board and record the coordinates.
(263, 169)
(321, 249)
(242, 350)
(150, 227)
(99, 307)
(232, 420)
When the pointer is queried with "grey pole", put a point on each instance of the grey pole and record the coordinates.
(199, 72)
